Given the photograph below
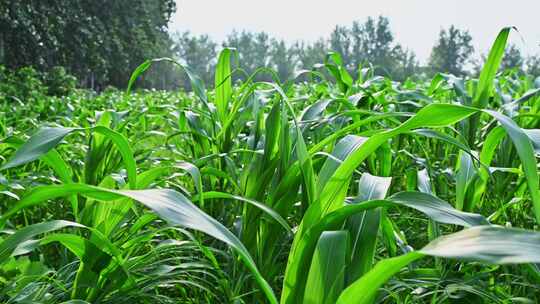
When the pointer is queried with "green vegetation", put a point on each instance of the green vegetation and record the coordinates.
(368, 44)
(93, 40)
(336, 186)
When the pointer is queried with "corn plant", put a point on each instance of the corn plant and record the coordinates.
(338, 189)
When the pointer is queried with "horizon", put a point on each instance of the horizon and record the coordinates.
(411, 26)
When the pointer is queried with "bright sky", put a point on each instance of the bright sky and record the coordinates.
(415, 23)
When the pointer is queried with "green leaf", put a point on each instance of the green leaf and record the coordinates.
(366, 288)
(488, 244)
(433, 207)
(223, 83)
(314, 111)
(342, 149)
(196, 83)
(122, 144)
(27, 233)
(136, 73)
(54, 160)
(534, 136)
(168, 204)
(338, 70)
(38, 145)
(326, 276)
(437, 209)
(525, 150)
(485, 83)
(334, 192)
(464, 179)
(424, 182)
(46, 139)
(269, 211)
(194, 173)
(304, 158)
(444, 137)
(364, 227)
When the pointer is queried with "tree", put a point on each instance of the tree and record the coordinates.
(309, 54)
(372, 42)
(405, 65)
(198, 52)
(452, 51)
(282, 59)
(99, 41)
(253, 49)
(512, 58)
(340, 42)
(533, 66)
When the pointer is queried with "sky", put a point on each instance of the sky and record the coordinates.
(415, 23)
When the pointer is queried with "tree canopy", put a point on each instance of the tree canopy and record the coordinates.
(99, 41)
(452, 51)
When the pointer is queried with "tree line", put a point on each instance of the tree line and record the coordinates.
(363, 44)
(101, 42)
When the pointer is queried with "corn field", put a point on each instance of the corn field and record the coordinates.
(343, 188)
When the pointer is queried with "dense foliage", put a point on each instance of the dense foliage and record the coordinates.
(100, 42)
(347, 188)
(26, 85)
(93, 40)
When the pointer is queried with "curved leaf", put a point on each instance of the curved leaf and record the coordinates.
(488, 244)
(428, 204)
(28, 232)
(485, 83)
(168, 204)
(326, 275)
(263, 207)
(38, 145)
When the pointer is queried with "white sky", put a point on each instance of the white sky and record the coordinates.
(415, 23)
